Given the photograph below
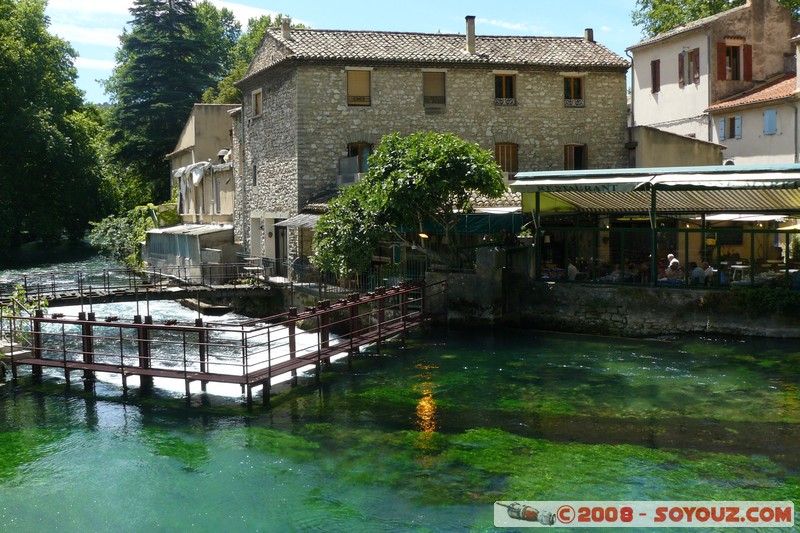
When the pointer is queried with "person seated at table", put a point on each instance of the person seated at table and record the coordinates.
(572, 270)
(673, 275)
(697, 275)
(708, 273)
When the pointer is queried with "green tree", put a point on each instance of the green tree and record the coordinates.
(164, 65)
(240, 57)
(658, 16)
(50, 177)
(221, 32)
(412, 180)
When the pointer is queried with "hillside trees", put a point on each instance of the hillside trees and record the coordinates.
(50, 175)
(658, 16)
(425, 177)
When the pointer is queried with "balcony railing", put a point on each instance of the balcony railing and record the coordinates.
(505, 101)
(434, 100)
(574, 102)
(358, 100)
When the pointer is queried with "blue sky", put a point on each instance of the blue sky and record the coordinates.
(93, 26)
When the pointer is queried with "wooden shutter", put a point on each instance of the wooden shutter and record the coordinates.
(358, 87)
(770, 122)
(747, 51)
(681, 67)
(696, 65)
(721, 70)
(722, 129)
(738, 126)
(655, 74)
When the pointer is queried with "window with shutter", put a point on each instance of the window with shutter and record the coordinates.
(770, 122)
(576, 157)
(358, 87)
(505, 89)
(506, 156)
(655, 76)
(722, 129)
(433, 93)
(734, 61)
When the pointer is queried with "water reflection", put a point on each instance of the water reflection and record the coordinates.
(426, 407)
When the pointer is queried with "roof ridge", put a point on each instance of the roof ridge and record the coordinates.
(431, 34)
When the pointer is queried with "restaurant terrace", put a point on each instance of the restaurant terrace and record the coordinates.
(619, 225)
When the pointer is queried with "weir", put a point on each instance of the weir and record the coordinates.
(249, 353)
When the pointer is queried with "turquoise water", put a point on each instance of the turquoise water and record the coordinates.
(423, 437)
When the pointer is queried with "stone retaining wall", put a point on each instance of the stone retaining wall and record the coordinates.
(634, 311)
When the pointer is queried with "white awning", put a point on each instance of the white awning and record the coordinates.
(303, 220)
(728, 189)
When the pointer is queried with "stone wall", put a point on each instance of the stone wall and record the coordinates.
(539, 124)
(306, 125)
(632, 311)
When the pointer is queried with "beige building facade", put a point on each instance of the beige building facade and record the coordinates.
(200, 166)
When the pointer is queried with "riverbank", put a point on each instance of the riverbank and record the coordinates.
(40, 254)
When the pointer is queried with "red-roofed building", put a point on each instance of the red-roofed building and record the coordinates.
(680, 75)
(760, 126)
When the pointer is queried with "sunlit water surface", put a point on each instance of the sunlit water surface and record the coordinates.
(423, 437)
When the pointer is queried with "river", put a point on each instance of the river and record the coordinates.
(425, 437)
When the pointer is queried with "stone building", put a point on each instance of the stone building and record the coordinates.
(317, 103)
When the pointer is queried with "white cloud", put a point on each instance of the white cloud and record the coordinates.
(94, 64)
(90, 8)
(242, 12)
(81, 34)
(519, 27)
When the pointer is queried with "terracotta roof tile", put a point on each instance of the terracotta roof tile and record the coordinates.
(432, 48)
(778, 89)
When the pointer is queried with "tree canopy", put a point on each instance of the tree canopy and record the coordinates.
(412, 180)
(240, 57)
(658, 16)
(50, 179)
(164, 64)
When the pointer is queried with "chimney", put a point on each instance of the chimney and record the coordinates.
(588, 35)
(470, 34)
(286, 30)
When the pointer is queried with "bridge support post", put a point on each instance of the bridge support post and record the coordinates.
(353, 328)
(202, 340)
(144, 348)
(265, 392)
(404, 309)
(293, 340)
(87, 341)
(381, 292)
(324, 329)
(36, 341)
